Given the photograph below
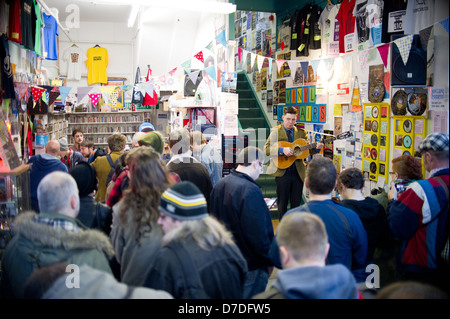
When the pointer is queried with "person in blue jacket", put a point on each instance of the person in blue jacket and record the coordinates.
(238, 202)
(346, 233)
(41, 165)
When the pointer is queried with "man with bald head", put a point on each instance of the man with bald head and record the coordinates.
(41, 165)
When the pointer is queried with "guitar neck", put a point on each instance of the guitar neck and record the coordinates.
(313, 145)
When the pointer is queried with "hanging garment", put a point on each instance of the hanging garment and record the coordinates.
(97, 61)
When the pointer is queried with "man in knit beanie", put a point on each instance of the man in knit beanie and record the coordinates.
(199, 258)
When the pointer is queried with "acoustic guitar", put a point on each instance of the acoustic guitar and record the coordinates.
(301, 149)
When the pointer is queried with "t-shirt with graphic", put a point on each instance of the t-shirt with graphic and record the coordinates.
(38, 33)
(28, 24)
(347, 36)
(394, 13)
(328, 21)
(368, 16)
(50, 33)
(97, 61)
(15, 30)
(74, 59)
(419, 16)
(6, 72)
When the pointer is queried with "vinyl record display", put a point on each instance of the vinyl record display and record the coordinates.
(375, 112)
(376, 91)
(417, 103)
(407, 141)
(373, 167)
(407, 126)
(374, 140)
(375, 126)
(373, 153)
(399, 102)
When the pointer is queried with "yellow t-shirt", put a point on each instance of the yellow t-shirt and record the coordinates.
(97, 61)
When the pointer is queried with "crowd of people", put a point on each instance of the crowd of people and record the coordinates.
(140, 223)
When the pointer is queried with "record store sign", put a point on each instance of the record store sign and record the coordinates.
(304, 99)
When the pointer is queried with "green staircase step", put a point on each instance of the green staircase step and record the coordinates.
(249, 112)
(245, 93)
(247, 103)
(252, 123)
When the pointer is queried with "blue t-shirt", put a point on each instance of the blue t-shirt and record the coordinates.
(50, 33)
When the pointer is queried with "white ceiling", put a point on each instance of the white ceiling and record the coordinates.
(89, 11)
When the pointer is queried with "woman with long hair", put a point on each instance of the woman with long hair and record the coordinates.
(135, 234)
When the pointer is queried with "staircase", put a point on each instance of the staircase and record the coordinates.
(251, 118)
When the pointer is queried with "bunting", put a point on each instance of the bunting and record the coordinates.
(82, 92)
(279, 64)
(36, 93)
(384, 51)
(52, 96)
(64, 92)
(199, 57)
(21, 89)
(404, 47)
(194, 76)
(187, 66)
(304, 65)
(211, 71)
(221, 38)
(94, 98)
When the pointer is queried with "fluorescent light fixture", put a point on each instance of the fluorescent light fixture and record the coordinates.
(190, 5)
(133, 14)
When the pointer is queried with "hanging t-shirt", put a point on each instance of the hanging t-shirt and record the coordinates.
(74, 59)
(50, 33)
(347, 36)
(15, 30)
(28, 24)
(97, 61)
(39, 25)
(394, 12)
(6, 71)
(324, 22)
(368, 15)
(419, 16)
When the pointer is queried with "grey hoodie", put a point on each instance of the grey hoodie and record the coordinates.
(314, 282)
(96, 284)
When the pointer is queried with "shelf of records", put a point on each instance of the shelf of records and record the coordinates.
(101, 138)
(109, 117)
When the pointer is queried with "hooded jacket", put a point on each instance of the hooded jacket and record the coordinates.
(96, 284)
(41, 166)
(374, 220)
(36, 245)
(313, 282)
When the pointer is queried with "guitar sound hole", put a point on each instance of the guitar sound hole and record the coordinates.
(297, 151)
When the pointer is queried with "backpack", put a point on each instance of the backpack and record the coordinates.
(113, 168)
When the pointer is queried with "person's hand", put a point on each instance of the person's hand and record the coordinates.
(288, 151)
(392, 194)
(319, 145)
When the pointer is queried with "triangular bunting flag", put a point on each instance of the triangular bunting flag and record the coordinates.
(82, 92)
(279, 64)
(210, 47)
(384, 51)
(114, 96)
(193, 76)
(52, 96)
(106, 92)
(199, 57)
(240, 54)
(314, 64)
(444, 24)
(173, 71)
(252, 60)
(221, 38)
(404, 47)
(304, 65)
(141, 87)
(211, 72)
(162, 79)
(94, 98)
(126, 87)
(64, 92)
(36, 93)
(260, 61)
(292, 65)
(187, 66)
(21, 89)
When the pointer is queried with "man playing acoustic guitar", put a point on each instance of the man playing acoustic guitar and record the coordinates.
(289, 180)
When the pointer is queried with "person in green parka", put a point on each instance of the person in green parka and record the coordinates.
(54, 235)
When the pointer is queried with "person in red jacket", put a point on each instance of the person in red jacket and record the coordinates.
(420, 217)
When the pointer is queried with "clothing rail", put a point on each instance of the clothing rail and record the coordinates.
(46, 8)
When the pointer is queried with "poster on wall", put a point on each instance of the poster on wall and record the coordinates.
(263, 79)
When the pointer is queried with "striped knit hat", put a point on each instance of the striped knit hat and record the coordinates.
(184, 201)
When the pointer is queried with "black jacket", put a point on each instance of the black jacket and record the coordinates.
(238, 202)
(95, 215)
(221, 270)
